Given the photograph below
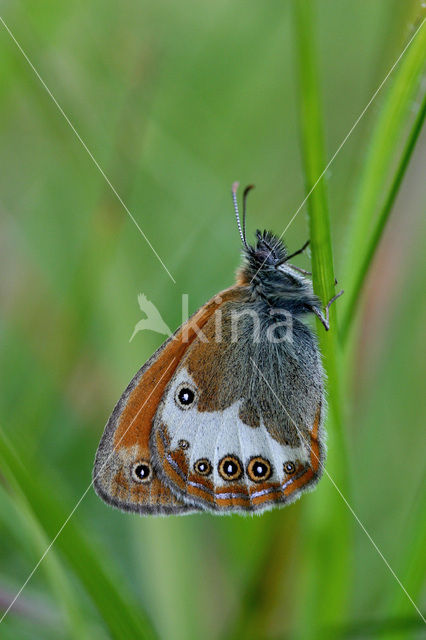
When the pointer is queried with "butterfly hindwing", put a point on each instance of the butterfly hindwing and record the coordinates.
(240, 424)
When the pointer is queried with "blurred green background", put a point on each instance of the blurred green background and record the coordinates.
(176, 100)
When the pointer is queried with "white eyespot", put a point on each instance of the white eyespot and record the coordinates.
(230, 468)
(259, 469)
(186, 396)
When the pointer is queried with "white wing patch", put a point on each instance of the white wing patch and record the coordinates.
(214, 435)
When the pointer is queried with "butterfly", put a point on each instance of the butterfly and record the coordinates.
(228, 414)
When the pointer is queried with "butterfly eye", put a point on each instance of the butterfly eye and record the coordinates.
(142, 472)
(259, 469)
(289, 467)
(185, 396)
(230, 468)
(203, 467)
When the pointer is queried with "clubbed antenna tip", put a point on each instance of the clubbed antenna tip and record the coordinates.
(241, 229)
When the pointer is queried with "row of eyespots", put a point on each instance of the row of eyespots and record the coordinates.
(230, 468)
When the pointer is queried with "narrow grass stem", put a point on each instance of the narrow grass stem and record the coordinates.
(379, 225)
(318, 214)
(332, 596)
(385, 141)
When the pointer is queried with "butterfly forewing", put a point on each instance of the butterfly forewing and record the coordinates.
(124, 474)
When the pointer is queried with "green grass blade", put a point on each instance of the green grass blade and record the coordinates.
(319, 220)
(361, 270)
(383, 146)
(17, 517)
(311, 121)
(120, 613)
(334, 592)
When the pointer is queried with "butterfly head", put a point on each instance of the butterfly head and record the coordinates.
(269, 250)
(262, 265)
(264, 269)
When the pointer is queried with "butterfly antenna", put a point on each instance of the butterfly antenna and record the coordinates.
(245, 194)
(237, 213)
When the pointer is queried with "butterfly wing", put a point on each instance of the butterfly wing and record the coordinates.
(239, 427)
(124, 474)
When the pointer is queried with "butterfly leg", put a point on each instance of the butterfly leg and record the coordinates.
(296, 253)
(300, 270)
(324, 317)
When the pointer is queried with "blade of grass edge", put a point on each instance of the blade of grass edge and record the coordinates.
(329, 597)
(117, 608)
(382, 147)
(374, 239)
